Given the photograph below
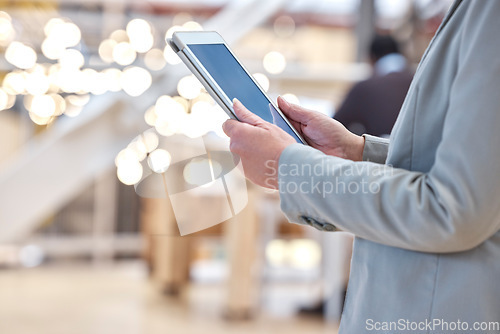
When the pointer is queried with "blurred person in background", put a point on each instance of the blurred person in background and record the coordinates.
(424, 205)
(372, 105)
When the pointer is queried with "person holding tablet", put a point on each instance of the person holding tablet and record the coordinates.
(424, 205)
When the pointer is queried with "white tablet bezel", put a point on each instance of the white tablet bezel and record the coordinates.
(180, 43)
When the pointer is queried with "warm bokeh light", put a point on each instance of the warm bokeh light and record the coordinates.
(135, 80)
(140, 35)
(170, 56)
(71, 58)
(20, 55)
(43, 106)
(112, 78)
(106, 50)
(7, 32)
(129, 172)
(37, 83)
(189, 87)
(150, 116)
(14, 83)
(304, 254)
(192, 26)
(159, 161)
(276, 252)
(155, 60)
(124, 54)
(274, 62)
(150, 140)
(65, 33)
(292, 98)
(262, 80)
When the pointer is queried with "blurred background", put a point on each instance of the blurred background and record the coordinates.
(92, 100)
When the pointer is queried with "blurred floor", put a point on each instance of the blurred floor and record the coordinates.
(62, 299)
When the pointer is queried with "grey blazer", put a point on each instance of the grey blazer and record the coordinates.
(426, 256)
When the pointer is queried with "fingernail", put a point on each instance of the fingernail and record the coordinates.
(284, 101)
(236, 102)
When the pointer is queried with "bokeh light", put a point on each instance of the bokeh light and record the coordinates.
(124, 54)
(135, 80)
(274, 62)
(140, 35)
(20, 55)
(262, 80)
(159, 161)
(189, 87)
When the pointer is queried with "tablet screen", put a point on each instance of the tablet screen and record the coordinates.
(236, 83)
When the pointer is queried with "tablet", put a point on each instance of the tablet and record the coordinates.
(207, 55)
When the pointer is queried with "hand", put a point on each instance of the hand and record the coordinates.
(259, 145)
(323, 133)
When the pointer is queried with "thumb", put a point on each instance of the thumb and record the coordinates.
(244, 115)
(294, 112)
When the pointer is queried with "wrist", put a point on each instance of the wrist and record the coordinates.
(358, 145)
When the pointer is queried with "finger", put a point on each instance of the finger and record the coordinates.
(245, 115)
(229, 127)
(294, 112)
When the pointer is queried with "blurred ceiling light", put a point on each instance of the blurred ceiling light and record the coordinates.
(262, 80)
(124, 54)
(130, 173)
(292, 98)
(159, 161)
(71, 80)
(20, 55)
(166, 107)
(112, 78)
(40, 120)
(52, 49)
(135, 80)
(124, 156)
(192, 26)
(140, 35)
(66, 33)
(7, 32)
(37, 83)
(106, 50)
(71, 58)
(43, 106)
(154, 59)
(78, 100)
(138, 147)
(170, 56)
(171, 116)
(189, 87)
(284, 26)
(274, 62)
(276, 253)
(119, 36)
(60, 103)
(51, 24)
(14, 83)
(150, 140)
(304, 254)
(150, 116)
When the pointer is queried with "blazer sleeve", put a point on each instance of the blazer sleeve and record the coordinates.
(452, 207)
(375, 149)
